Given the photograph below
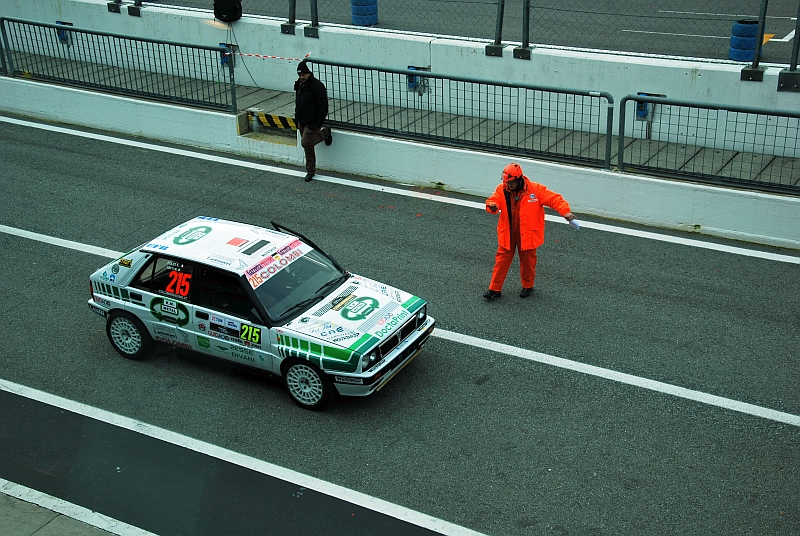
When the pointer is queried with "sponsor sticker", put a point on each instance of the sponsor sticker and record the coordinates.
(346, 379)
(192, 235)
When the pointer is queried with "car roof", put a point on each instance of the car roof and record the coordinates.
(230, 245)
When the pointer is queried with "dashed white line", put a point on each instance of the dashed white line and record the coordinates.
(388, 189)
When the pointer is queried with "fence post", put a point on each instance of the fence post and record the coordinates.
(288, 27)
(621, 146)
(496, 48)
(3, 47)
(754, 73)
(524, 52)
(609, 129)
(789, 79)
(7, 68)
(234, 107)
(313, 30)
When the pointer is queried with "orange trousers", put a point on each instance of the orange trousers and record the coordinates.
(502, 262)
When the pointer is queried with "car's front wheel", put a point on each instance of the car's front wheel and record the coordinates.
(307, 385)
(128, 335)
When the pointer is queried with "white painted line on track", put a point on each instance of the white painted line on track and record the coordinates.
(354, 497)
(621, 377)
(531, 355)
(69, 244)
(70, 510)
(387, 189)
(786, 39)
(679, 34)
(725, 15)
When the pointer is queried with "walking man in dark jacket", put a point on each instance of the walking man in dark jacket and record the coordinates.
(310, 110)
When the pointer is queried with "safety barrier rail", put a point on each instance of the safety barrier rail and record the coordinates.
(730, 145)
(161, 70)
(559, 124)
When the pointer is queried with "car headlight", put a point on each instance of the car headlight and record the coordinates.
(422, 314)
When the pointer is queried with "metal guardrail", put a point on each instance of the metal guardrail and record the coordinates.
(728, 145)
(161, 70)
(560, 124)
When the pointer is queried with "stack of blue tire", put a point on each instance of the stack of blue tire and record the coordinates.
(364, 12)
(743, 40)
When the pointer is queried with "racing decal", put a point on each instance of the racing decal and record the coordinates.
(221, 260)
(390, 292)
(269, 266)
(173, 342)
(191, 235)
(413, 304)
(178, 283)
(390, 323)
(228, 329)
(346, 379)
(165, 308)
(325, 357)
(359, 308)
(96, 309)
(164, 331)
(236, 242)
(334, 302)
(125, 263)
(203, 343)
(101, 301)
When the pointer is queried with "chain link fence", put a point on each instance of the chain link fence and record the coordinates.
(680, 28)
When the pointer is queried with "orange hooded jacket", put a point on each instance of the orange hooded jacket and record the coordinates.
(535, 196)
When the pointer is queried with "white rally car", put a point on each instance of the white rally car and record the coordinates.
(269, 299)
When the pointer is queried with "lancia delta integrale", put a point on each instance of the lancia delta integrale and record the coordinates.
(266, 298)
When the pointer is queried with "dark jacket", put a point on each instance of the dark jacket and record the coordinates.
(310, 103)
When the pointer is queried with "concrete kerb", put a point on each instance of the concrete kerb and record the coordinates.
(724, 212)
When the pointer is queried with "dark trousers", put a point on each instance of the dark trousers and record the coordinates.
(308, 139)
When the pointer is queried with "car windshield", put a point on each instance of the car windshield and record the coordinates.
(298, 285)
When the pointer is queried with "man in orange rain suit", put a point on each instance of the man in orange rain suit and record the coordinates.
(520, 202)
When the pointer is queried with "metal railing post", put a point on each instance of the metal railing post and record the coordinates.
(789, 79)
(234, 107)
(524, 52)
(621, 147)
(288, 27)
(5, 48)
(609, 130)
(754, 73)
(496, 48)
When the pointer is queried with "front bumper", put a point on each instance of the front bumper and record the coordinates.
(382, 372)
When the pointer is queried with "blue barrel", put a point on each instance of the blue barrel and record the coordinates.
(744, 34)
(364, 12)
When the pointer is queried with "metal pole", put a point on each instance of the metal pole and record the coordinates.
(762, 18)
(496, 48)
(5, 48)
(315, 15)
(498, 32)
(292, 11)
(793, 62)
(234, 107)
(526, 15)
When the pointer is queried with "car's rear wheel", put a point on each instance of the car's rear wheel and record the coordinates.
(128, 335)
(307, 385)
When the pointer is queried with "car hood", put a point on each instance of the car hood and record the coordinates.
(358, 315)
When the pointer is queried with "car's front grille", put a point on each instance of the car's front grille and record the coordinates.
(404, 332)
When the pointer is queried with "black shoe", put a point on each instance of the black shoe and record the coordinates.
(329, 137)
(308, 177)
(525, 292)
(491, 294)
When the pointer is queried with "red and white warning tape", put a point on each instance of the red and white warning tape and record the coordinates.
(264, 57)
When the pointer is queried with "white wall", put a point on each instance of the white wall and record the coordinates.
(762, 218)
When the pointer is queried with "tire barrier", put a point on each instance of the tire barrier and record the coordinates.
(744, 34)
(364, 12)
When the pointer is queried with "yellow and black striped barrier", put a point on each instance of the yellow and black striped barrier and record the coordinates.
(272, 121)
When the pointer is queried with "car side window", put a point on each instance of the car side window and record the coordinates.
(145, 279)
(222, 292)
(168, 277)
